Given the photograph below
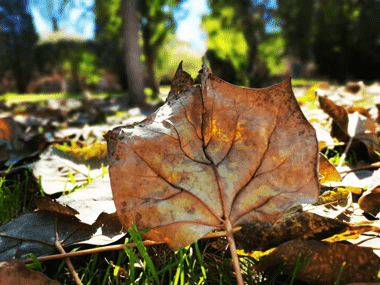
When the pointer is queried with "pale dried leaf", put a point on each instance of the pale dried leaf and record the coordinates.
(216, 155)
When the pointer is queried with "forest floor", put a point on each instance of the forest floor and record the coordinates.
(54, 148)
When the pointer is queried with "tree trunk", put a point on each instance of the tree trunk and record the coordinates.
(55, 24)
(133, 63)
(148, 51)
(149, 63)
(21, 66)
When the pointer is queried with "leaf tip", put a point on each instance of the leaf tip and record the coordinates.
(181, 81)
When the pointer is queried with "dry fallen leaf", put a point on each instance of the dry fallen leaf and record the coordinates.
(14, 271)
(59, 173)
(326, 260)
(327, 170)
(35, 233)
(217, 157)
(346, 126)
(47, 204)
(370, 201)
(339, 116)
(334, 204)
(17, 142)
(297, 225)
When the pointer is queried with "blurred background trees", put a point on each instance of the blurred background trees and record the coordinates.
(17, 38)
(340, 37)
(250, 42)
(235, 29)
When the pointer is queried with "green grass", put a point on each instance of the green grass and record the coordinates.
(199, 263)
(334, 155)
(14, 196)
(18, 98)
(305, 82)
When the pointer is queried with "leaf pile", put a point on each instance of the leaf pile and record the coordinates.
(214, 157)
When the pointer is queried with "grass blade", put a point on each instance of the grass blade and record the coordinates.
(142, 249)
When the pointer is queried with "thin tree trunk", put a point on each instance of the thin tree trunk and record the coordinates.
(151, 79)
(21, 75)
(133, 63)
(149, 52)
(55, 24)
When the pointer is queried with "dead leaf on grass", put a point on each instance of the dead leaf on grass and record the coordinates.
(216, 157)
(47, 204)
(332, 204)
(326, 260)
(354, 125)
(370, 201)
(327, 170)
(14, 271)
(92, 200)
(59, 173)
(181, 81)
(17, 143)
(35, 233)
(339, 116)
(353, 232)
(303, 225)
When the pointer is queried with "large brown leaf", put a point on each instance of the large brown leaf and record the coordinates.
(325, 262)
(214, 156)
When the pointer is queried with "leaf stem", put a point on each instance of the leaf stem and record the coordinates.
(235, 257)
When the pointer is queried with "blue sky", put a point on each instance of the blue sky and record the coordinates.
(188, 17)
(68, 21)
(189, 23)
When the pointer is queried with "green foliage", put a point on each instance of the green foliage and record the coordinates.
(88, 70)
(172, 54)
(228, 42)
(227, 39)
(235, 31)
(8, 201)
(298, 265)
(305, 82)
(97, 151)
(271, 52)
(81, 63)
(340, 36)
(108, 18)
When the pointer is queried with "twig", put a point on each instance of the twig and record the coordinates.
(373, 165)
(67, 260)
(116, 247)
(343, 157)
